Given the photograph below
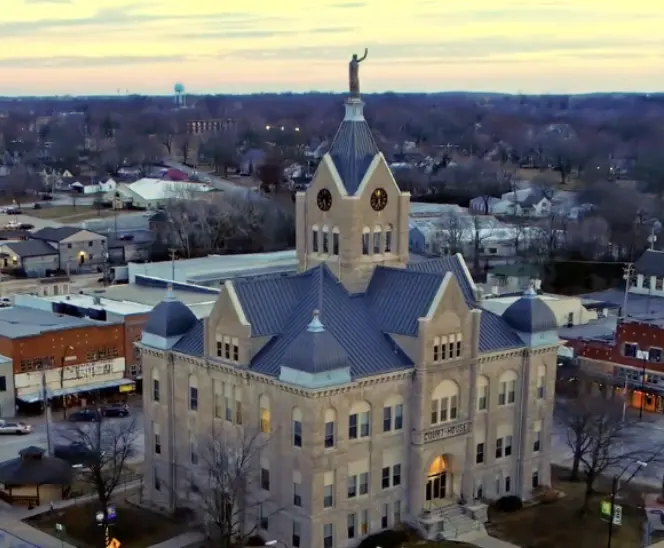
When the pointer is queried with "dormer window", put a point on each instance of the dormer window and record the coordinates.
(447, 347)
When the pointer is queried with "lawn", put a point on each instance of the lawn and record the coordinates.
(69, 213)
(559, 524)
(135, 527)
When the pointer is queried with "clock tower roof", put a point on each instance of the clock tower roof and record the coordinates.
(354, 147)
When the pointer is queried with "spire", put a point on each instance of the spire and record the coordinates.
(170, 295)
(315, 326)
(354, 110)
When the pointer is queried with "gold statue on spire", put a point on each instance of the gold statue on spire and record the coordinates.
(354, 73)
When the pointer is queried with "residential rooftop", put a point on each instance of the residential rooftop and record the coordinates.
(151, 296)
(17, 322)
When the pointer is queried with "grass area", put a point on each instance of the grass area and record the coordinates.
(69, 213)
(135, 527)
(559, 524)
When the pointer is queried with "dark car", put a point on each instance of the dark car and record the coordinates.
(75, 453)
(84, 415)
(115, 410)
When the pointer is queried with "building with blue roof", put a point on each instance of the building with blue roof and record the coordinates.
(380, 390)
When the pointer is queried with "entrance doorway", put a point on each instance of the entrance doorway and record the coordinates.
(436, 488)
(81, 257)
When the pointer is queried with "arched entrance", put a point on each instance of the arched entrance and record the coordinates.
(438, 483)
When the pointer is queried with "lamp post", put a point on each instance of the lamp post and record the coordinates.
(643, 386)
(62, 380)
(614, 493)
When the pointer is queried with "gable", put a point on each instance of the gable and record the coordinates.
(83, 236)
(378, 175)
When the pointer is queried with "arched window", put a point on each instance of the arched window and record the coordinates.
(445, 402)
(193, 393)
(482, 393)
(507, 388)
(326, 240)
(335, 241)
(237, 392)
(388, 239)
(264, 414)
(330, 425)
(393, 414)
(541, 382)
(314, 239)
(377, 235)
(155, 385)
(296, 426)
(366, 233)
(359, 421)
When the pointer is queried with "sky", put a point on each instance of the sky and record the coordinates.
(83, 47)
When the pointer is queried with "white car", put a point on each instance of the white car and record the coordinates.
(19, 428)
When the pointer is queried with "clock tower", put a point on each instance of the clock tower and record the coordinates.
(353, 217)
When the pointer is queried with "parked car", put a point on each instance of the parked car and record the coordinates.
(76, 453)
(14, 211)
(84, 415)
(18, 428)
(115, 410)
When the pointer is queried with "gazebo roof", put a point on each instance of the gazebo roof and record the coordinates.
(33, 467)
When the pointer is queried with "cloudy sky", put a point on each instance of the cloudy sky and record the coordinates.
(218, 46)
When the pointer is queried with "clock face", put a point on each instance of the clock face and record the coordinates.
(378, 199)
(324, 200)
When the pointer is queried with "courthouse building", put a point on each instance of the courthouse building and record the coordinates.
(385, 394)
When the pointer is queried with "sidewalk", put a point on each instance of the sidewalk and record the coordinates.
(16, 533)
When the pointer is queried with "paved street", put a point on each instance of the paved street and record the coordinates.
(11, 445)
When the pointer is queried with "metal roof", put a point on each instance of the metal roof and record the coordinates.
(651, 263)
(18, 321)
(56, 234)
(530, 314)
(170, 318)
(30, 248)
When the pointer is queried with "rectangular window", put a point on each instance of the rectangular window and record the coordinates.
(397, 512)
(155, 390)
(387, 419)
(482, 397)
(655, 354)
(329, 435)
(227, 349)
(157, 443)
(502, 395)
(218, 389)
(376, 242)
(541, 383)
(297, 494)
(385, 477)
(385, 517)
(351, 525)
(238, 412)
(396, 475)
(3, 384)
(364, 424)
(335, 243)
(508, 446)
(434, 411)
(436, 356)
(352, 486)
(297, 433)
(398, 416)
(388, 241)
(314, 241)
(444, 403)
(479, 453)
(352, 426)
(193, 452)
(297, 535)
(458, 349)
(263, 521)
(535, 479)
(193, 398)
(236, 353)
(364, 522)
(364, 483)
(326, 242)
(499, 448)
(157, 482)
(219, 349)
(453, 407)
(229, 410)
(328, 536)
(508, 484)
(328, 496)
(511, 391)
(265, 479)
(630, 350)
(537, 442)
(265, 420)
(365, 243)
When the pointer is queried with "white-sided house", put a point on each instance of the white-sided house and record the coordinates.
(152, 194)
(506, 208)
(484, 205)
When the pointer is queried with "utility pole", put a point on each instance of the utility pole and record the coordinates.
(614, 491)
(47, 411)
(172, 251)
(628, 273)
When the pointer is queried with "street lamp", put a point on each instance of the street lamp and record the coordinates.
(643, 385)
(62, 379)
(614, 492)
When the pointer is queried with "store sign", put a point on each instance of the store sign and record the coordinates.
(447, 431)
(87, 371)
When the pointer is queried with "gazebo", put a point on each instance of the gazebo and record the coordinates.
(34, 478)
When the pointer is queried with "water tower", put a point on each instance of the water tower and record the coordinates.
(180, 98)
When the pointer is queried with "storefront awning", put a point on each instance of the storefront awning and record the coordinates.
(39, 396)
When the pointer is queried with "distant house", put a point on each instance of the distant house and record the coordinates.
(153, 194)
(94, 186)
(176, 175)
(483, 204)
(512, 277)
(35, 257)
(78, 249)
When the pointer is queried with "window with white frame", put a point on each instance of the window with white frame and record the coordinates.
(359, 421)
(396, 512)
(328, 490)
(393, 414)
(385, 516)
(447, 347)
(314, 239)
(482, 393)
(445, 402)
(507, 388)
(358, 478)
(297, 488)
(228, 402)
(504, 438)
(351, 525)
(264, 414)
(391, 470)
(330, 422)
(193, 449)
(541, 382)
(537, 437)
(193, 393)
(156, 434)
(296, 427)
(297, 534)
(265, 474)
(218, 395)
(155, 385)
(630, 350)
(237, 396)
(364, 522)
(328, 535)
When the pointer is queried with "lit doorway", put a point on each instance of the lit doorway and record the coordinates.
(436, 488)
(81, 257)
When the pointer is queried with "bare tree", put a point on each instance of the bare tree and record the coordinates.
(106, 447)
(21, 183)
(452, 235)
(226, 481)
(602, 441)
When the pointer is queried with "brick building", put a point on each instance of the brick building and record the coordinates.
(630, 359)
(74, 356)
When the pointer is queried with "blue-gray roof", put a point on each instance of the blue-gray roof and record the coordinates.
(31, 248)
(530, 314)
(352, 152)
(193, 341)
(170, 318)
